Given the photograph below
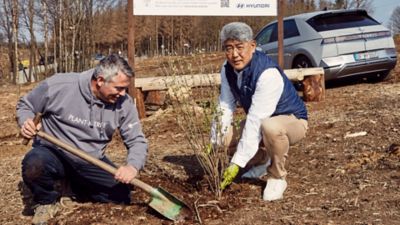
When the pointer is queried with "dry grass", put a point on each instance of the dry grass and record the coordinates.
(179, 65)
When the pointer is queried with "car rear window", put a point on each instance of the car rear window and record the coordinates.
(341, 20)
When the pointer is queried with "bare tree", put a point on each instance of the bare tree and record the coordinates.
(361, 4)
(74, 18)
(15, 21)
(28, 15)
(340, 4)
(325, 4)
(349, 4)
(50, 15)
(44, 13)
(8, 24)
(394, 21)
(86, 37)
(61, 52)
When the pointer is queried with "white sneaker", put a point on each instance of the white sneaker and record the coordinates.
(257, 171)
(274, 189)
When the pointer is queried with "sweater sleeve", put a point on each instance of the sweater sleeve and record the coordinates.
(133, 137)
(32, 103)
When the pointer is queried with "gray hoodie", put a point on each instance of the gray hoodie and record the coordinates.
(73, 114)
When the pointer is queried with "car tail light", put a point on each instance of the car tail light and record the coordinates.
(348, 38)
(353, 37)
(328, 41)
(377, 34)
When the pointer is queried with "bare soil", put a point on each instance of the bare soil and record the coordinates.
(347, 170)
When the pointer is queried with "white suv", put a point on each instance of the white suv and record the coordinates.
(343, 42)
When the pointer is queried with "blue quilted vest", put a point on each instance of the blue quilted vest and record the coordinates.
(289, 102)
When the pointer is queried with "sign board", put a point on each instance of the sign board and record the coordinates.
(205, 7)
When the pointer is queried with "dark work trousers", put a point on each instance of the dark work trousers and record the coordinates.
(43, 166)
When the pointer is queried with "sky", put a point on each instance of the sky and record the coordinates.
(383, 10)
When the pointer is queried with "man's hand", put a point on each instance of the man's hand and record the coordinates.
(125, 174)
(229, 175)
(28, 129)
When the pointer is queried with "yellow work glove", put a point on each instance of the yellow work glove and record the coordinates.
(229, 175)
(208, 148)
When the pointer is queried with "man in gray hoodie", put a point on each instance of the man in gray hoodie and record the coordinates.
(83, 110)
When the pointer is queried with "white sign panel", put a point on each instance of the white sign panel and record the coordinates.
(205, 7)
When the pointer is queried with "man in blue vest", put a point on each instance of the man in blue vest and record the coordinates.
(276, 117)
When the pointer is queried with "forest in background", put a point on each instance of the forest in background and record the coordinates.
(69, 33)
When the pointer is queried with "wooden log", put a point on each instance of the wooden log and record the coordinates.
(314, 88)
(156, 98)
(312, 79)
(163, 83)
(140, 103)
(300, 73)
(198, 80)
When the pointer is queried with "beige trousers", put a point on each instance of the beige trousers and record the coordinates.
(278, 133)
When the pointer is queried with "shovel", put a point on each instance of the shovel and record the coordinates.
(162, 201)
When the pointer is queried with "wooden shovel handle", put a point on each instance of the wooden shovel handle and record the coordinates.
(83, 155)
(36, 121)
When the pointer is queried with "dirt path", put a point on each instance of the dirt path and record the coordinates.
(342, 173)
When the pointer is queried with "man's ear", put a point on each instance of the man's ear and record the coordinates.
(253, 45)
(100, 81)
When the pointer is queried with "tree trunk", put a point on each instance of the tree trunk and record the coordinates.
(15, 39)
(11, 60)
(60, 34)
(56, 61)
(172, 36)
(74, 31)
(156, 35)
(90, 30)
(46, 34)
(32, 58)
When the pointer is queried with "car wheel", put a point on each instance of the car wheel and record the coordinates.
(300, 62)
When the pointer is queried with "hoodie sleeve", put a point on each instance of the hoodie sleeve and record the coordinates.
(32, 103)
(132, 135)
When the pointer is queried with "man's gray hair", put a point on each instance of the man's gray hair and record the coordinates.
(111, 65)
(236, 31)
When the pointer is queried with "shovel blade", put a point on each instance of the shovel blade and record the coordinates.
(168, 205)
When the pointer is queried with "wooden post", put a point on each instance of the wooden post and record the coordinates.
(156, 97)
(314, 88)
(140, 103)
(131, 60)
(281, 7)
(131, 37)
